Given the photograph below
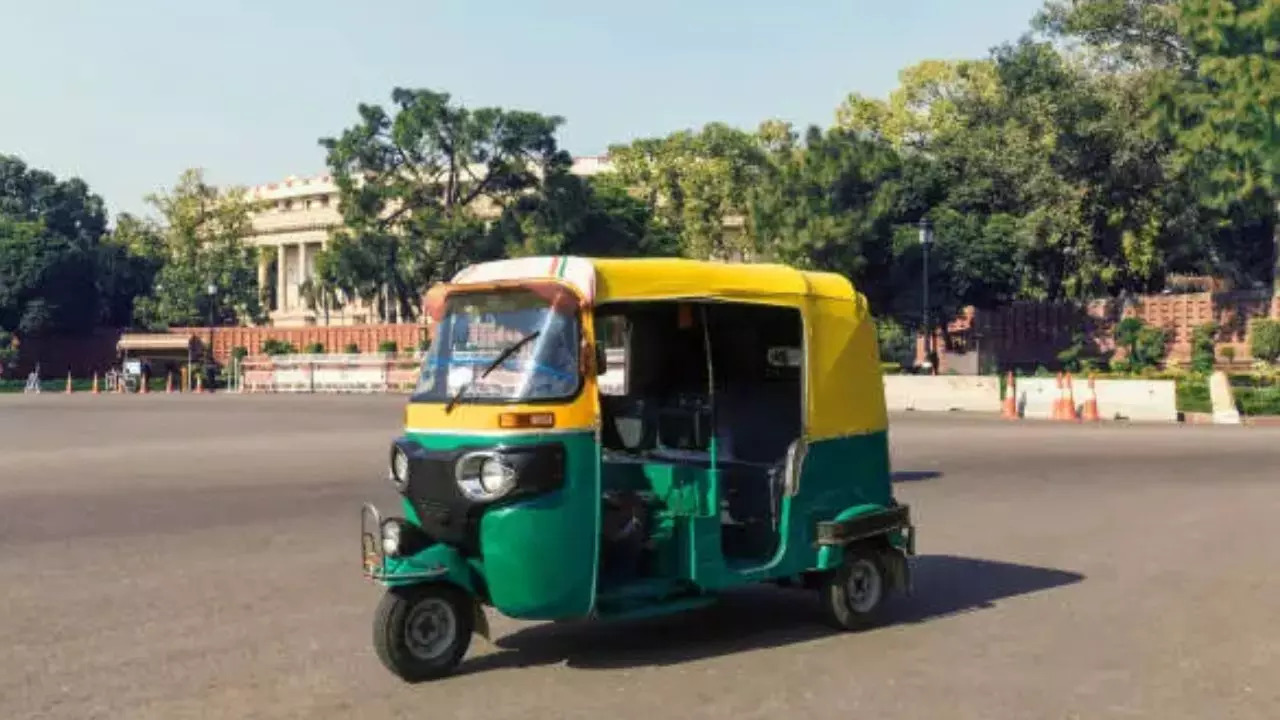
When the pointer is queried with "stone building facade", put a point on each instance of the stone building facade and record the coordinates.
(293, 224)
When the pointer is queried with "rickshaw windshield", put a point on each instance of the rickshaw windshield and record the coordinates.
(527, 343)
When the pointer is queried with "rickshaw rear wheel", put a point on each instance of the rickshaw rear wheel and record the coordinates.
(853, 596)
(422, 632)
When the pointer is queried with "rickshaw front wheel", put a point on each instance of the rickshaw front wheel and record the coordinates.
(422, 632)
(853, 596)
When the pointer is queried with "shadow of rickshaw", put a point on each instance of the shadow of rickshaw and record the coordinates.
(761, 617)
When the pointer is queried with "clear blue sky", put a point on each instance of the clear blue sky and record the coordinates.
(127, 94)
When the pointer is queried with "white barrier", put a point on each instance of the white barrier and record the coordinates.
(1140, 400)
(941, 393)
(328, 373)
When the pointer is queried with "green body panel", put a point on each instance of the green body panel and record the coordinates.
(837, 476)
(438, 563)
(539, 555)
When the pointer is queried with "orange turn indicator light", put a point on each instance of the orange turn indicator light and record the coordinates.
(526, 420)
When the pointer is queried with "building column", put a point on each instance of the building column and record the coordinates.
(280, 293)
(262, 270)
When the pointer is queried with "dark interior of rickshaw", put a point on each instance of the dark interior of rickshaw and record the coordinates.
(658, 431)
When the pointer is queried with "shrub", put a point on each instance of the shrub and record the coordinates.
(272, 346)
(351, 349)
(1145, 344)
(1202, 348)
(896, 344)
(8, 351)
(1193, 395)
(314, 348)
(1265, 343)
(388, 346)
(239, 352)
(1229, 354)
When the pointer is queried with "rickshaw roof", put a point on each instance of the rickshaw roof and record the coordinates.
(603, 280)
(844, 389)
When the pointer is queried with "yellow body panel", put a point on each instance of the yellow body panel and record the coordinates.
(577, 414)
(845, 386)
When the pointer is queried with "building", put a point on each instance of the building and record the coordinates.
(292, 226)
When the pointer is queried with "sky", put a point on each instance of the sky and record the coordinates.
(128, 94)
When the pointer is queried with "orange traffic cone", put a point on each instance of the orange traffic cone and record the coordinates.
(145, 385)
(1057, 400)
(1069, 406)
(95, 384)
(168, 383)
(1009, 408)
(1091, 404)
(69, 391)
(199, 383)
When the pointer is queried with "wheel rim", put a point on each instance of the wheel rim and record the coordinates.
(864, 586)
(430, 629)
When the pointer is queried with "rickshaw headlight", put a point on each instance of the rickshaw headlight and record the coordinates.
(496, 477)
(485, 476)
(391, 536)
(399, 474)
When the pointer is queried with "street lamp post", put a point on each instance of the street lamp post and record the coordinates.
(212, 291)
(926, 238)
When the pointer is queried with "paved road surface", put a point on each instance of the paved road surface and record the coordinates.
(171, 557)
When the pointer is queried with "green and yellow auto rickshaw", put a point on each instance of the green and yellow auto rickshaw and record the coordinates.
(616, 438)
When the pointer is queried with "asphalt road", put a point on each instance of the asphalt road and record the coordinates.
(171, 557)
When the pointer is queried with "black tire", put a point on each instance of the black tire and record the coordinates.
(404, 624)
(863, 572)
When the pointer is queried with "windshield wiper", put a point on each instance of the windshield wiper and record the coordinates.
(506, 353)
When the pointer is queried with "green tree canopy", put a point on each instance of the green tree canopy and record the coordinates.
(416, 187)
(200, 243)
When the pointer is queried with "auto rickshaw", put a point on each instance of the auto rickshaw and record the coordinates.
(620, 438)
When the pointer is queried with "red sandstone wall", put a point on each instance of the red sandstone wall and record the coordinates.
(1025, 334)
(333, 337)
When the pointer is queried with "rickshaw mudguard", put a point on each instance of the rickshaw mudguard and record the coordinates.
(438, 562)
(540, 554)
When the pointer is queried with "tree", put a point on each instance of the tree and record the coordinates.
(1225, 110)
(1210, 71)
(129, 259)
(413, 188)
(832, 206)
(1264, 343)
(698, 183)
(928, 102)
(596, 216)
(50, 237)
(201, 244)
(1130, 33)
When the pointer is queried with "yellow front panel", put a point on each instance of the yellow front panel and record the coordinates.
(573, 415)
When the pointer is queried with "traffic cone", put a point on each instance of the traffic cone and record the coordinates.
(1009, 409)
(1070, 413)
(1091, 404)
(144, 386)
(95, 384)
(168, 383)
(199, 383)
(69, 383)
(1057, 400)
